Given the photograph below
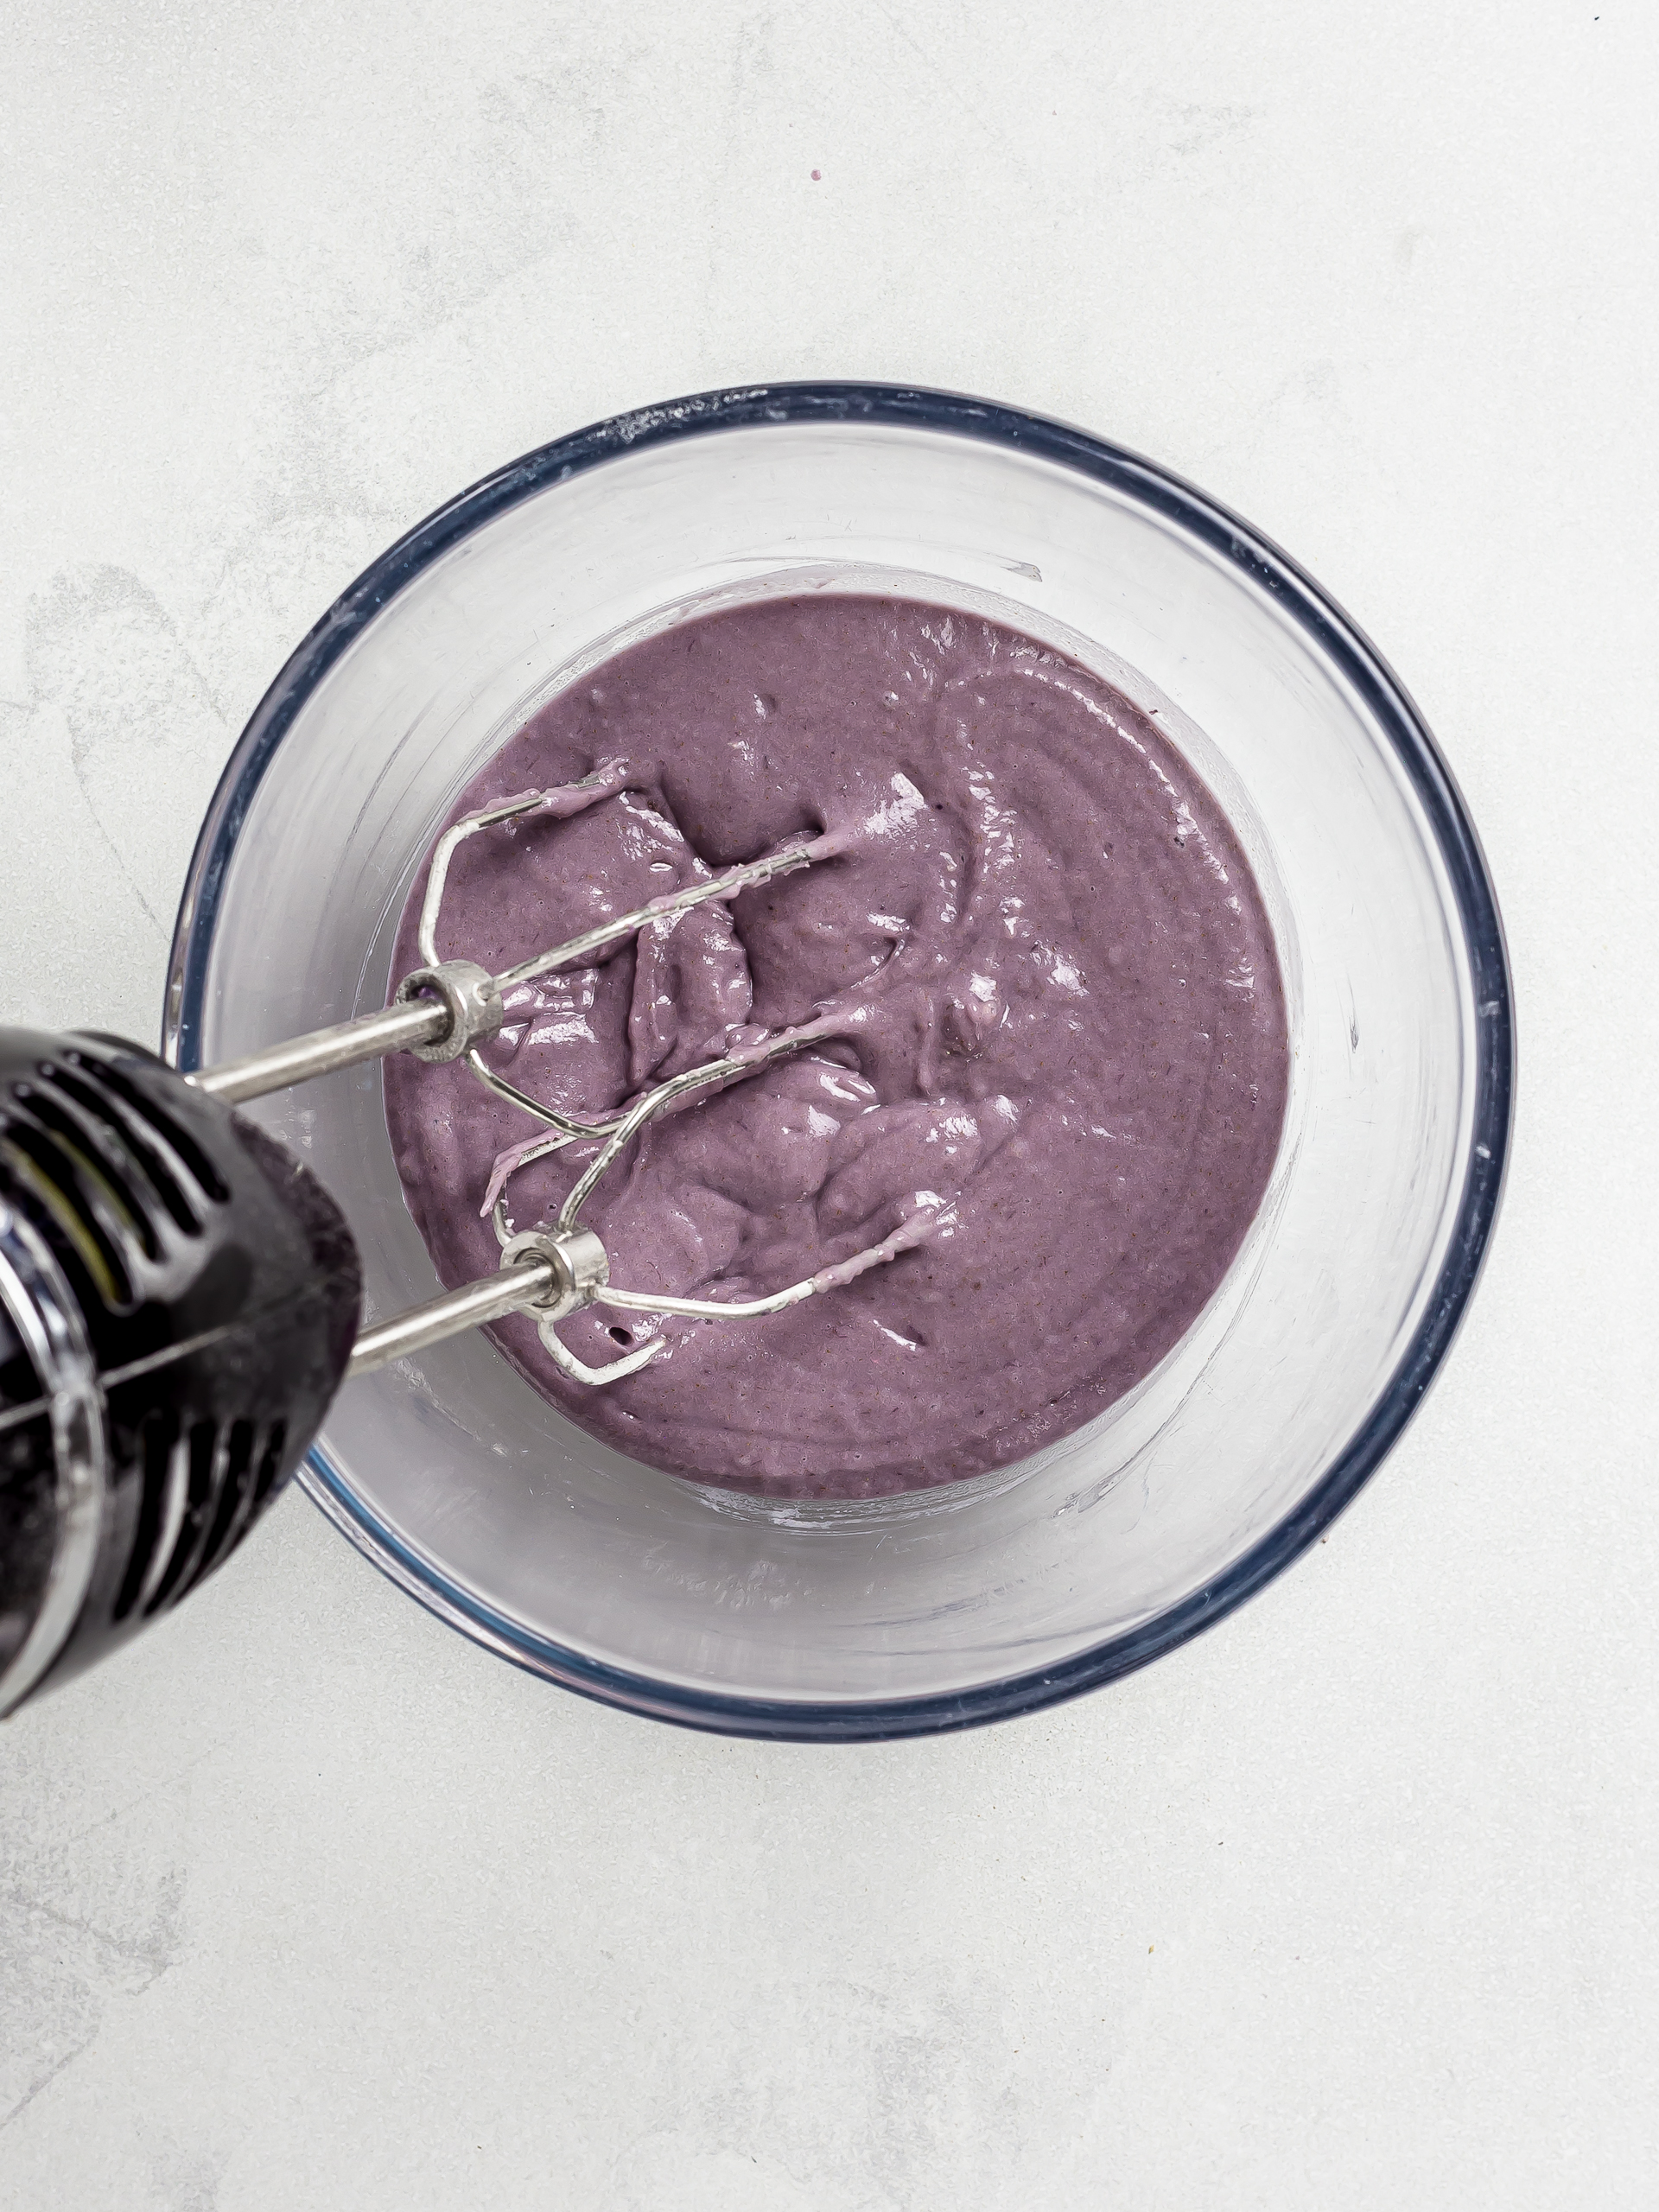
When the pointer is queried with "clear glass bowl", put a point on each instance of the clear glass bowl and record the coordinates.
(990, 1597)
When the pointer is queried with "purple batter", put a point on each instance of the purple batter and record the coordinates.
(1050, 1042)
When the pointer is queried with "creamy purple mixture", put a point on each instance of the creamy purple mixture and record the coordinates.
(1049, 1041)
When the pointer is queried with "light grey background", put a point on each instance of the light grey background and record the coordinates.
(304, 1902)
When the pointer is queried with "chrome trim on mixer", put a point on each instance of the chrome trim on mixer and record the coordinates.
(44, 1311)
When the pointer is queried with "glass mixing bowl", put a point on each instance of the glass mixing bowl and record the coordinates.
(993, 1596)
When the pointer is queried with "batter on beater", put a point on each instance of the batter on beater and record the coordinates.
(1048, 1042)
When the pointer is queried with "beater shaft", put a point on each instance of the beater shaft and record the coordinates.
(447, 1008)
(346, 1046)
(509, 1290)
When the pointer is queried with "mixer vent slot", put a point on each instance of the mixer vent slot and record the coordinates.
(55, 1175)
(252, 1464)
(200, 1492)
(118, 1173)
(234, 1490)
(270, 1463)
(96, 1150)
(157, 1437)
(86, 1085)
(188, 1158)
(202, 1487)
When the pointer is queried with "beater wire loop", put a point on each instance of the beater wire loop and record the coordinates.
(614, 1131)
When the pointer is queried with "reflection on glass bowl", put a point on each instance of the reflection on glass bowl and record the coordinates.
(941, 1608)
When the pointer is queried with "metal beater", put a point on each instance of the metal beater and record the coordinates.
(179, 1297)
(446, 1009)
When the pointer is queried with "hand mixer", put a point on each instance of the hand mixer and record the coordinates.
(178, 1297)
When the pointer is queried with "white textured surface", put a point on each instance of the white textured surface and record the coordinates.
(307, 1903)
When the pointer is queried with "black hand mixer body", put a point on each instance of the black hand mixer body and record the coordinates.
(178, 1301)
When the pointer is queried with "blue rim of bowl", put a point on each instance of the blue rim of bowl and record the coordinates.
(1334, 634)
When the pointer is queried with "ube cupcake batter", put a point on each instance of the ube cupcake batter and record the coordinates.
(1049, 1041)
